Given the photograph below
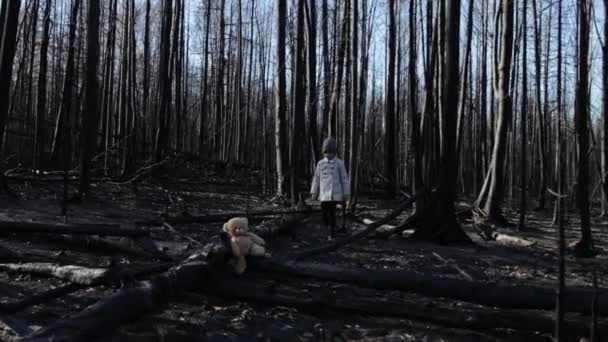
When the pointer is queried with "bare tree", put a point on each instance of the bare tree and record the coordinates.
(297, 143)
(42, 93)
(90, 117)
(539, 108)
(354, 105)
(605, 102)
(491, 195)
(585, 246)
(7, 54)
(204, 115)
(524, 118)
(68, 86)
(145, 74)
(164, 82)
(311, 50)
(559, 203)
(437, 221)
(280, 95)
(389, 114)
(326, 67)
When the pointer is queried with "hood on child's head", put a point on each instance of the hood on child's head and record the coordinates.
(329, 146)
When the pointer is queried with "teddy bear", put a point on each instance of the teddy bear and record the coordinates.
(243, 242)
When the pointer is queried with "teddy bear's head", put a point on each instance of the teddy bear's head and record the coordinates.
(236, 226)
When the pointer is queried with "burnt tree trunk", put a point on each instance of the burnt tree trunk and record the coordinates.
(204, 114)
(146, 77)
(63, 117)
(389, 115)
(89, 121)
(164, 82)
(585, 246)
(312, 106)
(491, 196)
(439, 221)
(280, 96)
(326, 69)
(355, 128)
(7, 54)
(298, 139)
(605, 102)
(524, 118)
(42, 84)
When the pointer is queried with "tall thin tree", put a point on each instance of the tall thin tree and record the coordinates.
(204, 115)
(68, 86)
(89, 120)
(298, 140)
(311, 50)
(164, 82)
(7, 54)
(491, 195)
(585, 246)
(389, 114)
(605, 102)
(280, 95)
(524, 118)
(42, 93)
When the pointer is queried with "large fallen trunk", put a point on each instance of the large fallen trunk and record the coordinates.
(358, 235)
(82, 275)
(78, 229)
(129, 304)
(75, 274)
(577, 299)
(120, 276)
(323, 301)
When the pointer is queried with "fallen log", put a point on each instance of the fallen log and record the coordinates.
(358, 235)
(46, 296)
(576, 299)
(476, 319)
(75, 274)
(129, 304)
(81, 275)
(511, 241)
(124, 306)
(78, 229)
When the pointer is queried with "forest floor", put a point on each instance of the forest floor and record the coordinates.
(197, 316)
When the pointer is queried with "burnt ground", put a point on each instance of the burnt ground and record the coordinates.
(197, 316)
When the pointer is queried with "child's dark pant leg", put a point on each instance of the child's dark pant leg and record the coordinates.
(329, 215)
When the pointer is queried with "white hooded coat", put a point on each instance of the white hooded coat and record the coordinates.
(330, 182)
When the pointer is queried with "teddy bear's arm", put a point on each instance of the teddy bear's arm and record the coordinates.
(257, 239)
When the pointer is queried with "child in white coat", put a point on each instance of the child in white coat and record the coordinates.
(330, 184)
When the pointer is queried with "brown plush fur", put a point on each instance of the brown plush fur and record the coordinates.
(243, 242)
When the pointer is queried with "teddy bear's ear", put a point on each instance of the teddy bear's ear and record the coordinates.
(225, 227)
